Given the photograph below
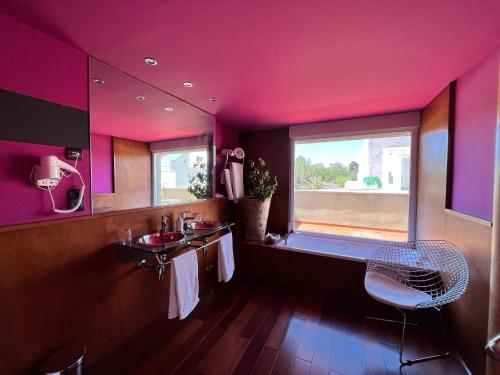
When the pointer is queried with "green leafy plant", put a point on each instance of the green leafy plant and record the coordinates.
(199, 184)
(309, 176)
(259, 183)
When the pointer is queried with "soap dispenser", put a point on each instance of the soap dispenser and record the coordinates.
(179, 225)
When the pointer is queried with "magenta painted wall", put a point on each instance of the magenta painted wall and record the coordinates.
(37, 65)
(20, 201)
(102, 163)
(225, 137)
(474, 141)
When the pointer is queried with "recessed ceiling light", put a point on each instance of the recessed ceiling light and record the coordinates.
(98, 81)
(150, 61)
(169, 109)
(188, 84)
(212, 99)
(140, 97)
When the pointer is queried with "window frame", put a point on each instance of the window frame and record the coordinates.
(412, 131)
(156, 187)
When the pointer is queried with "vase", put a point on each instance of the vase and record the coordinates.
(252, 217)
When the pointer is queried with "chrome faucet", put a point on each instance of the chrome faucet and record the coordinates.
(165, 224)
(285, 237)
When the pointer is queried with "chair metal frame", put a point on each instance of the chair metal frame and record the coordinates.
(435, 267)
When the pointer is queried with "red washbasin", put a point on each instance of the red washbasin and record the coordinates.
(161, 239)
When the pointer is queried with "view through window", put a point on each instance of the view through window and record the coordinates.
(180, 176)
(357, 187)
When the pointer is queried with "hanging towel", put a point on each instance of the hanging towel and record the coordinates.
(237, 180)
(183, 285)
(225, 267)
(229, 187)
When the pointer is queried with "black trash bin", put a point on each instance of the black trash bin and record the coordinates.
(67, 361)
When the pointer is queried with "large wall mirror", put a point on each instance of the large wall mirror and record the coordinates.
(147, 147)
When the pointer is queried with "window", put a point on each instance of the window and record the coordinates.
(356, 187)
(180, 176)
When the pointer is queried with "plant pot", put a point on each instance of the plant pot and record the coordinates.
(252, 217)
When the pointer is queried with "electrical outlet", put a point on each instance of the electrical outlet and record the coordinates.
(73, 199)
(73, 153)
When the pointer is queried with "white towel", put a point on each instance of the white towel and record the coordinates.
(229, 187)
(225, 267)
(183, 285)
(237, 180)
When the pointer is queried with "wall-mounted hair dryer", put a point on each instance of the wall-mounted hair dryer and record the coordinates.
(237, 153)
(48, 174)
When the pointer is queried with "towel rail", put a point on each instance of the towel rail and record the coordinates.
(160, 258)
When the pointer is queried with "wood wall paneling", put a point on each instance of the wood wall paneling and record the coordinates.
(103, 202)
(301, 270)
(132, 174)
(65, 282)
(432, 168)
(467, 317)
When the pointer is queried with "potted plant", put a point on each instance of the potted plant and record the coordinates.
(199, 184)
(253, 210)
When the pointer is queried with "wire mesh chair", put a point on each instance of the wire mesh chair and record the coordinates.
(417, 275)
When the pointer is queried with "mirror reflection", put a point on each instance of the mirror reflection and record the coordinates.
(148, 147)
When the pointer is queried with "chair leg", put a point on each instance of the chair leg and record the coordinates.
(409, 362)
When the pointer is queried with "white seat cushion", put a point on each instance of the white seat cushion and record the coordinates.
(388, 291)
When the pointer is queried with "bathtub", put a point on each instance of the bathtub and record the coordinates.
(349, 249)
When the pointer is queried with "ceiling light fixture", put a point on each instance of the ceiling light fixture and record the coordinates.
(188, 84)
(140, 97)
(98, 81)
(169, 109)
(150, 61)
(212, 99)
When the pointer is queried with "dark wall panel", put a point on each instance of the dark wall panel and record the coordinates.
(274, 147)
(30, 120)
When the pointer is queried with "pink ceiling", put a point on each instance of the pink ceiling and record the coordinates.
(280, 62)
(114, 110)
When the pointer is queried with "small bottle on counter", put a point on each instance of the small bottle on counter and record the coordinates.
(179, 225)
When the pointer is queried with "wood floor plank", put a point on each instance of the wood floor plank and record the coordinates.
(279, 330)
(264, 306)
(339, 359)
(224, 356)
(314, 305)
(255, 327)
(356, 353)
(152, 338)
(156, 360)
(301, 367)
(190, 363)
(288, 349)
(176, 358)
(253, 352)
(374, 357)
(322, 348)
(391, 359)
(266, 361)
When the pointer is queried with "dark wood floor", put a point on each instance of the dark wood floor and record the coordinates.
(254, 327)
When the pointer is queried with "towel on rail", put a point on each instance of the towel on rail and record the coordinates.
(184, 285)
(225, 267)
(229, 187)
(237, 180)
